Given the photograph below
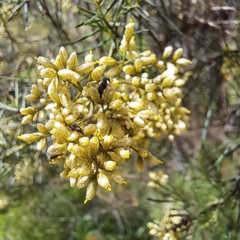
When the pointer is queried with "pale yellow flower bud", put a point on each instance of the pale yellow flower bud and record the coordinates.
(169, 123)
(125, 96)
(59, 63)
(107, 94)
(53, 90)
(82, 100)
(89, 57)
(31, 98)
(65, 73)
(73, 173)
(123, 153)
(184, 110)
(107, 141)
(29, 138)
(154, 58)
(66, 101)
(73, 137)
(146, 53)
(85, 169)
(139, 121)
(63, 55)
(78, 108)
(48, 73)
(177, 54)
(132, 44)
(93, 145)
(71, 161)
(41, 128)
(93, 92)
(64, 173)
(171, 138)
(167, 52)
(28, 110)
(109, 165)
(65, 112)
(138, 64)
(179, 83)
(35, 90)
(129, 28)
(168, 81)
(128, 77)
(83, 181)
(35, 117)
(136, 81)
(102, 156)
(79, 151)
(172, 67)
(103, 181)
(150, 87)
(161, 65)
(169, 94)
(47, 81)
(40, 67)
(60, 118)
(41, 144)
(49, 124)
(117, 130)
(89, 129)
(97, 72)
(166, 73)
(84, 141)
(57, 149)
(183, 62)
(146, 60)
(129, 69)
(26, 119)
(91, 191)
(133, 55)
(109, 61)
(60, 131)
(112, 72)
(46, 63)
(85, 68)
(43, 101)
(124, 45)
(178, 93)
(102, 124)
(72, 61)
(144, 79)
(115, 157)
(73, 182)
(118, 177)
(145, 113)
(135, 105)
(163, 127)
(116, 104)
(151, 96)
(182, 125)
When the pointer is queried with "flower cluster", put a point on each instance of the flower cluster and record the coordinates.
(157, 179)
(94, 113)
(173, 226)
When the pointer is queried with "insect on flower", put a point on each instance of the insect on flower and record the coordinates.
(76, 128)
(102, 85)
(55, 156)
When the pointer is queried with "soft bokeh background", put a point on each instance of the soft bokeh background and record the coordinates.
(35, 203)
